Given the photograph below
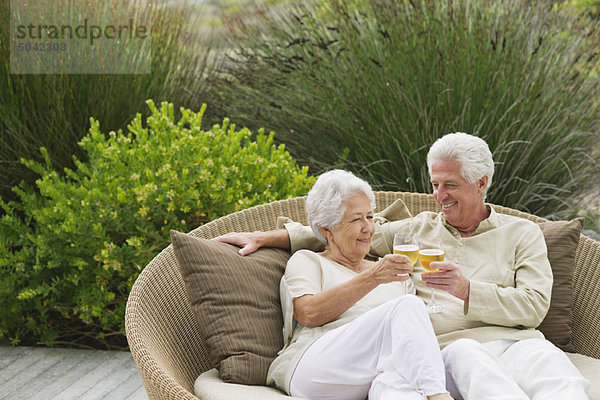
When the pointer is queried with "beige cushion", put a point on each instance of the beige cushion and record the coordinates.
(209, 386)
(562, 238)
(235, 300)
(395, 211)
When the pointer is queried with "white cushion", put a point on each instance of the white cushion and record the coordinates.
(590, 369)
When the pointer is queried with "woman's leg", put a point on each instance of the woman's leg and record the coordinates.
(387, 386)
(394, 343)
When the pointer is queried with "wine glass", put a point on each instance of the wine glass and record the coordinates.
(407, 245)
(427, 255)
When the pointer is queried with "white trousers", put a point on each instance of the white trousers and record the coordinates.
(389, 352)
(511, 370)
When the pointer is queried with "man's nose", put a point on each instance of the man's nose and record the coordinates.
(439, 193)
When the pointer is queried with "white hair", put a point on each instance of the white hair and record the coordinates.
(324, 203)
(471, 152)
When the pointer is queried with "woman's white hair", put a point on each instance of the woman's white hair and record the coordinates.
(471, 152)
(325, 201)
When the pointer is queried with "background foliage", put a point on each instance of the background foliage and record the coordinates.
(366, 85)
(71, 250)
(369, 85)
(53, 111)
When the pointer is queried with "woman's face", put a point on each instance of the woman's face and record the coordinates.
(352, 237)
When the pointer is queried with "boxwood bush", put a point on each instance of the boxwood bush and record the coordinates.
(72, 247)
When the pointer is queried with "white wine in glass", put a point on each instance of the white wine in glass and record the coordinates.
(407, 245)
(427, 255)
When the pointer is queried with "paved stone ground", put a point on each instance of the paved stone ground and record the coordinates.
(64, 374)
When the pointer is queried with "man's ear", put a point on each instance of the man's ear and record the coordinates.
(482, 183)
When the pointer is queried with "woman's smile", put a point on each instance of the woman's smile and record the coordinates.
(350, 241)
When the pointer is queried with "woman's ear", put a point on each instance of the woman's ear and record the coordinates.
(326, 232)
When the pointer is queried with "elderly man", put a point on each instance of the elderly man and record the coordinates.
(494, 285)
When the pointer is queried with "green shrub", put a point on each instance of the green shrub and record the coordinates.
(72, 249)
(369, 85)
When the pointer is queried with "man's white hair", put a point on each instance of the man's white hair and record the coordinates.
(471, 152)
(325, 201)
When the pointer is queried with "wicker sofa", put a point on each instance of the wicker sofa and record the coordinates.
(170, 354)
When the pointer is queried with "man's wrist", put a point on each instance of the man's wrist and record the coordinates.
(466, 291)
(278, 238)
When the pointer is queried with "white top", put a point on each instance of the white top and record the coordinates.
(309, 273)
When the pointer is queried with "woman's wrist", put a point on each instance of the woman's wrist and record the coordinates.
(370, 279)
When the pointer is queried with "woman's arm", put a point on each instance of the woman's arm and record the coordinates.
(313, 310)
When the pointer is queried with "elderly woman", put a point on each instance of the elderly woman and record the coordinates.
(350, 328)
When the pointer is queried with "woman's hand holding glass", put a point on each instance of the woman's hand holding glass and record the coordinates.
(392, 268)
(407, 245)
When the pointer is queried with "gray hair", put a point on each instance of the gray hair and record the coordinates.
(324, 203)
(471, 152)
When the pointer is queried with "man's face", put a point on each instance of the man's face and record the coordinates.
(459, 200)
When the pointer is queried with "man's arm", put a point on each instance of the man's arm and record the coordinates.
(294, 236)
(527, 302)
(252, 241)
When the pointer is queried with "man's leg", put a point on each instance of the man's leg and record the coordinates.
(544, 371)
(474, 372)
